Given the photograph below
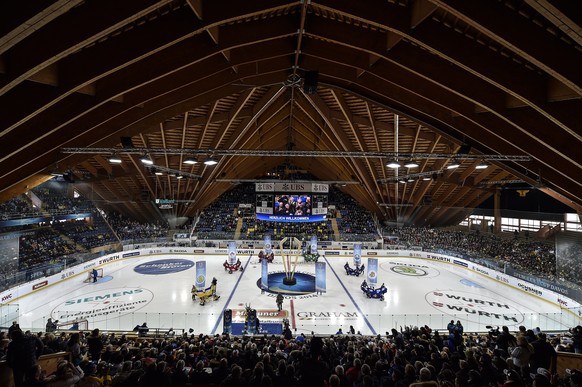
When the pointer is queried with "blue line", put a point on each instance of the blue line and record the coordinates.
(230, 296)
(351, 298)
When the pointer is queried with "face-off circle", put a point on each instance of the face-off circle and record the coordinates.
(410, 269)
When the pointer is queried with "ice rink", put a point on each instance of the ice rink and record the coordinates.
(157, 289)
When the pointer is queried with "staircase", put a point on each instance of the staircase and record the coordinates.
(335, 228)
(239, 224)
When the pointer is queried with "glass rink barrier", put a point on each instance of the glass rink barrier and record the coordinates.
(319, 323)
(8, 313)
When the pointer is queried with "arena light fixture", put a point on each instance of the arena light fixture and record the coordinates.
(411, 164)
(190, 161)
(483, 165)
(393, 164)
(453, 165)
(210, 161)
(114, 159)
(145, 159)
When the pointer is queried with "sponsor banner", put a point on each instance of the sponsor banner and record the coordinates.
(327, 316)
(200, 274)
(314, 245)
(7, 297)
(474, 307)
(178, 251)
(320, 285)
(332, 253)
(163, 266)
(357, 254)
(264, 274)
(130, 254)
(292, 187)
(110, 258)
(371, 253)
(39, 285)
(264, 187)
(245, 205)
(101, 305)
(319, 188)
(372, 271)
(231, 252)
(460, 263)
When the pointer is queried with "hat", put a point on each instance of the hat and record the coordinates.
(543, 372)
(575, 375)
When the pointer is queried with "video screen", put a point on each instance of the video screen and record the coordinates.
(292, 207)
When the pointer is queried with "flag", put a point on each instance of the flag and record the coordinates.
(357, 254)
(232, 252)
(320, 277)
(372, 271)
(268, 246)
(314, 245)
(200, 274)
(264, 274)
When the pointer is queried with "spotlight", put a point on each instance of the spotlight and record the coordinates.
(393, 164)
(146, 160)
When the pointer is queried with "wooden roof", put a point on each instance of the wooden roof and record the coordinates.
(413, 77)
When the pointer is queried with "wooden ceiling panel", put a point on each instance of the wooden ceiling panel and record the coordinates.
(419, 77)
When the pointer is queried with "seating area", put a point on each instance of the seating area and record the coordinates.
(404, 356)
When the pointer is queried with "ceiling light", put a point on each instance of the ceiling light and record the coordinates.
(210, 161)
(410, 180)
(426, 178)
(146, 160)
(190, 161)
(453, 165)
(483, 165)
(158, 173)
(178, 176)
(393, 164)
(402, 181)
(411, 164)
(114, 159)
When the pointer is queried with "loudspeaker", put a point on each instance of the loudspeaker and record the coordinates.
(126, 142)
(144, 194)
(464, 149)
(68, 177)
(427, 200)
(310, 82)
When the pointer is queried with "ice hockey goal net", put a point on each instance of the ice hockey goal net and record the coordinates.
(89, 277)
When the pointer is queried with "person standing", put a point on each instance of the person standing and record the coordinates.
(94, 274)
(22, 354)
(279, 302)
(95, 345)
